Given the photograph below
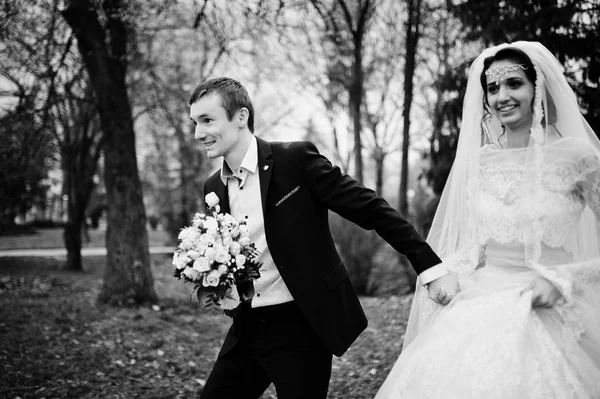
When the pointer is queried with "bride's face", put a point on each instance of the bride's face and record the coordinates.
(510, 97)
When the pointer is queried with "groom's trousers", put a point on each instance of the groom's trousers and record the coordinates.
(275, 345)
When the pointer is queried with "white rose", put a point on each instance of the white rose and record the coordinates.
(211, 279)
(201, 247)
(230, 220)
(217, 246)
(210, 253)
(227, 241)
(244, 241)
(186, 244)
(222, 256)
(235, 231)
(240, 260)
(180, 260)
(189, 233)
(202, 264)
(211, 223)
(211, 199)
(235, 248)
(198, 223)
(222, 269)
(191, 273)
(206, 239)
(193, 254)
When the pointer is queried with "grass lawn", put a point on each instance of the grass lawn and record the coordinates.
(56, 342)
(53, 238)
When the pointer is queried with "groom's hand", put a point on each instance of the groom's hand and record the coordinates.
(443, 289)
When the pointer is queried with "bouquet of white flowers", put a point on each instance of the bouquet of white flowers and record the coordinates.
(215, 253)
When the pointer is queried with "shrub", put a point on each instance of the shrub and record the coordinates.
(357, 247)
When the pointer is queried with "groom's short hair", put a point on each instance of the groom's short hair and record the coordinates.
(233, 95)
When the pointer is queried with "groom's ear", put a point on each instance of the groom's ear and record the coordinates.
(242, 117)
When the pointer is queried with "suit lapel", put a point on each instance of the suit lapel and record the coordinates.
(265, 169)
(223, 194)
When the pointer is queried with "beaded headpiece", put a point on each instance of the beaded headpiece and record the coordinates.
(496, 74)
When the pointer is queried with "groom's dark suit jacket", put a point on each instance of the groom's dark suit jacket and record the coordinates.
(298, 187)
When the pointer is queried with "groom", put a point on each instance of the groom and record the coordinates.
(303, 308)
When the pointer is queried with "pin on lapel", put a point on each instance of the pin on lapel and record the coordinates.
(265, 167)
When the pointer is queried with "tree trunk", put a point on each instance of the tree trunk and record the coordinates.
(72, 230)
(356, 93)
(80, 149)
(79, 185)
(412, 37)
(128, 277)
(379, 157)
(72, 238)
(184, 149)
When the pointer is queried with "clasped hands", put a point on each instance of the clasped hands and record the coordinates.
(544, 293)
(443, 289)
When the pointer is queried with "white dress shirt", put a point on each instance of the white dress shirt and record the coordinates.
(243, 186)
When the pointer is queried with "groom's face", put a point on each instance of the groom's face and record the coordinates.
(213, 128)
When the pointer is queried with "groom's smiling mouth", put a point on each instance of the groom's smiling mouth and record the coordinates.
(208, 144)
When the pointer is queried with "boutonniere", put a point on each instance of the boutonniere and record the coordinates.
(266, 167)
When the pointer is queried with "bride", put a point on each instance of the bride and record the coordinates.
(518, 227)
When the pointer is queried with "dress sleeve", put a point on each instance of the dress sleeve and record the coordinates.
(589, 169)
(573, 278)
(588, 272)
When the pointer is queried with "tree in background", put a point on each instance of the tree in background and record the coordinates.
(346, 26)
(172, 57)
(80, 141)
(26, 154)
(26, 144)
(308, 54)
(413, 32)
(383, 96)
(46, 76)
(444, 59)
(103, 33)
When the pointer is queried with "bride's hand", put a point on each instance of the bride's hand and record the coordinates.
(443, 289)
(544, 293)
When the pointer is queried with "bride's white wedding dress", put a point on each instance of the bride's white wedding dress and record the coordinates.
(489, 342)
